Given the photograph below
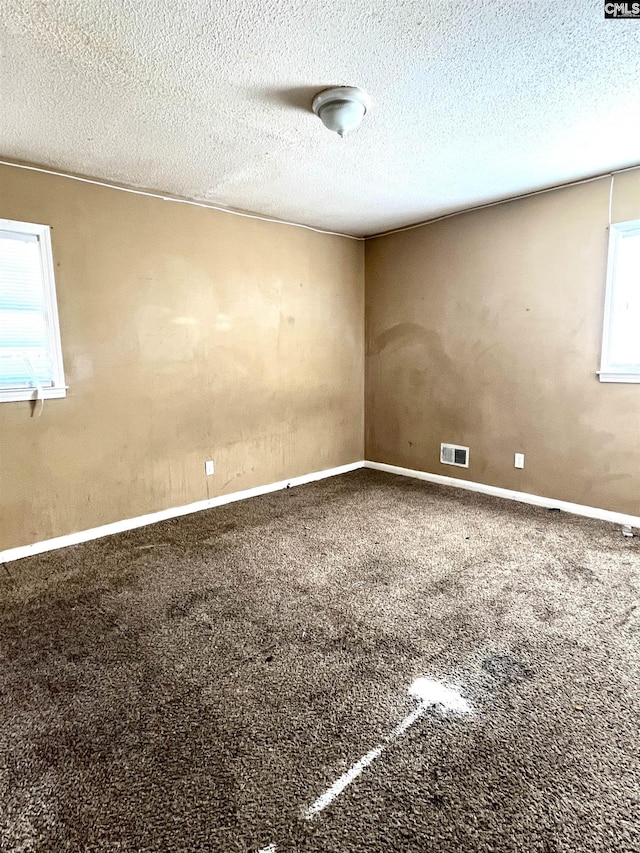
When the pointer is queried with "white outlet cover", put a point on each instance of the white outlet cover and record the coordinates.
(209, 467)
(519, 460)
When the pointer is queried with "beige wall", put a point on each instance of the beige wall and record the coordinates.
(484, 330)
(190, 334)
(187, 334)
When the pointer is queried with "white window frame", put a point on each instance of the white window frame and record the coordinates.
(58, 389)
(610, 372)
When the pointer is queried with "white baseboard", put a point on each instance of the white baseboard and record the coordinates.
(163, 514)
(510, 494)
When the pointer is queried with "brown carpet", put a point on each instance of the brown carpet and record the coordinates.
(196, 684)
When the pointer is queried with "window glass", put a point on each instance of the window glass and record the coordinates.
(30, 355)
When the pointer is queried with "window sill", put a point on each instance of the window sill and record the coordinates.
(14, 395)
(612, 376)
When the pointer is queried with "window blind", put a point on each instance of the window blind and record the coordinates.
(625, 319)
(25, 359)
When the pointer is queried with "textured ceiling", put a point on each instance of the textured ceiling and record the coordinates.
(474, 100)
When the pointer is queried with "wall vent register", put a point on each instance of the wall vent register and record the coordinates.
(454, 454)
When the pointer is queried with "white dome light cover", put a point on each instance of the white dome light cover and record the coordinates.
(342, 108)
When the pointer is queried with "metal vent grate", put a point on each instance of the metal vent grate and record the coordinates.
(454, 454)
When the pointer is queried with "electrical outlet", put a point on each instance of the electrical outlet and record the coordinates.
(209, 467)
(519, 460)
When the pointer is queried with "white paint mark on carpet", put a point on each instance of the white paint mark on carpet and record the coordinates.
(408, 721)
(431, 694)
(338, 786)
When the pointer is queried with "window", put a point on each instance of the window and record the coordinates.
(30, 352)
(621, 335)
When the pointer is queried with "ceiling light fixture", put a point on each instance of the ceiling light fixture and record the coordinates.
(342, 108)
